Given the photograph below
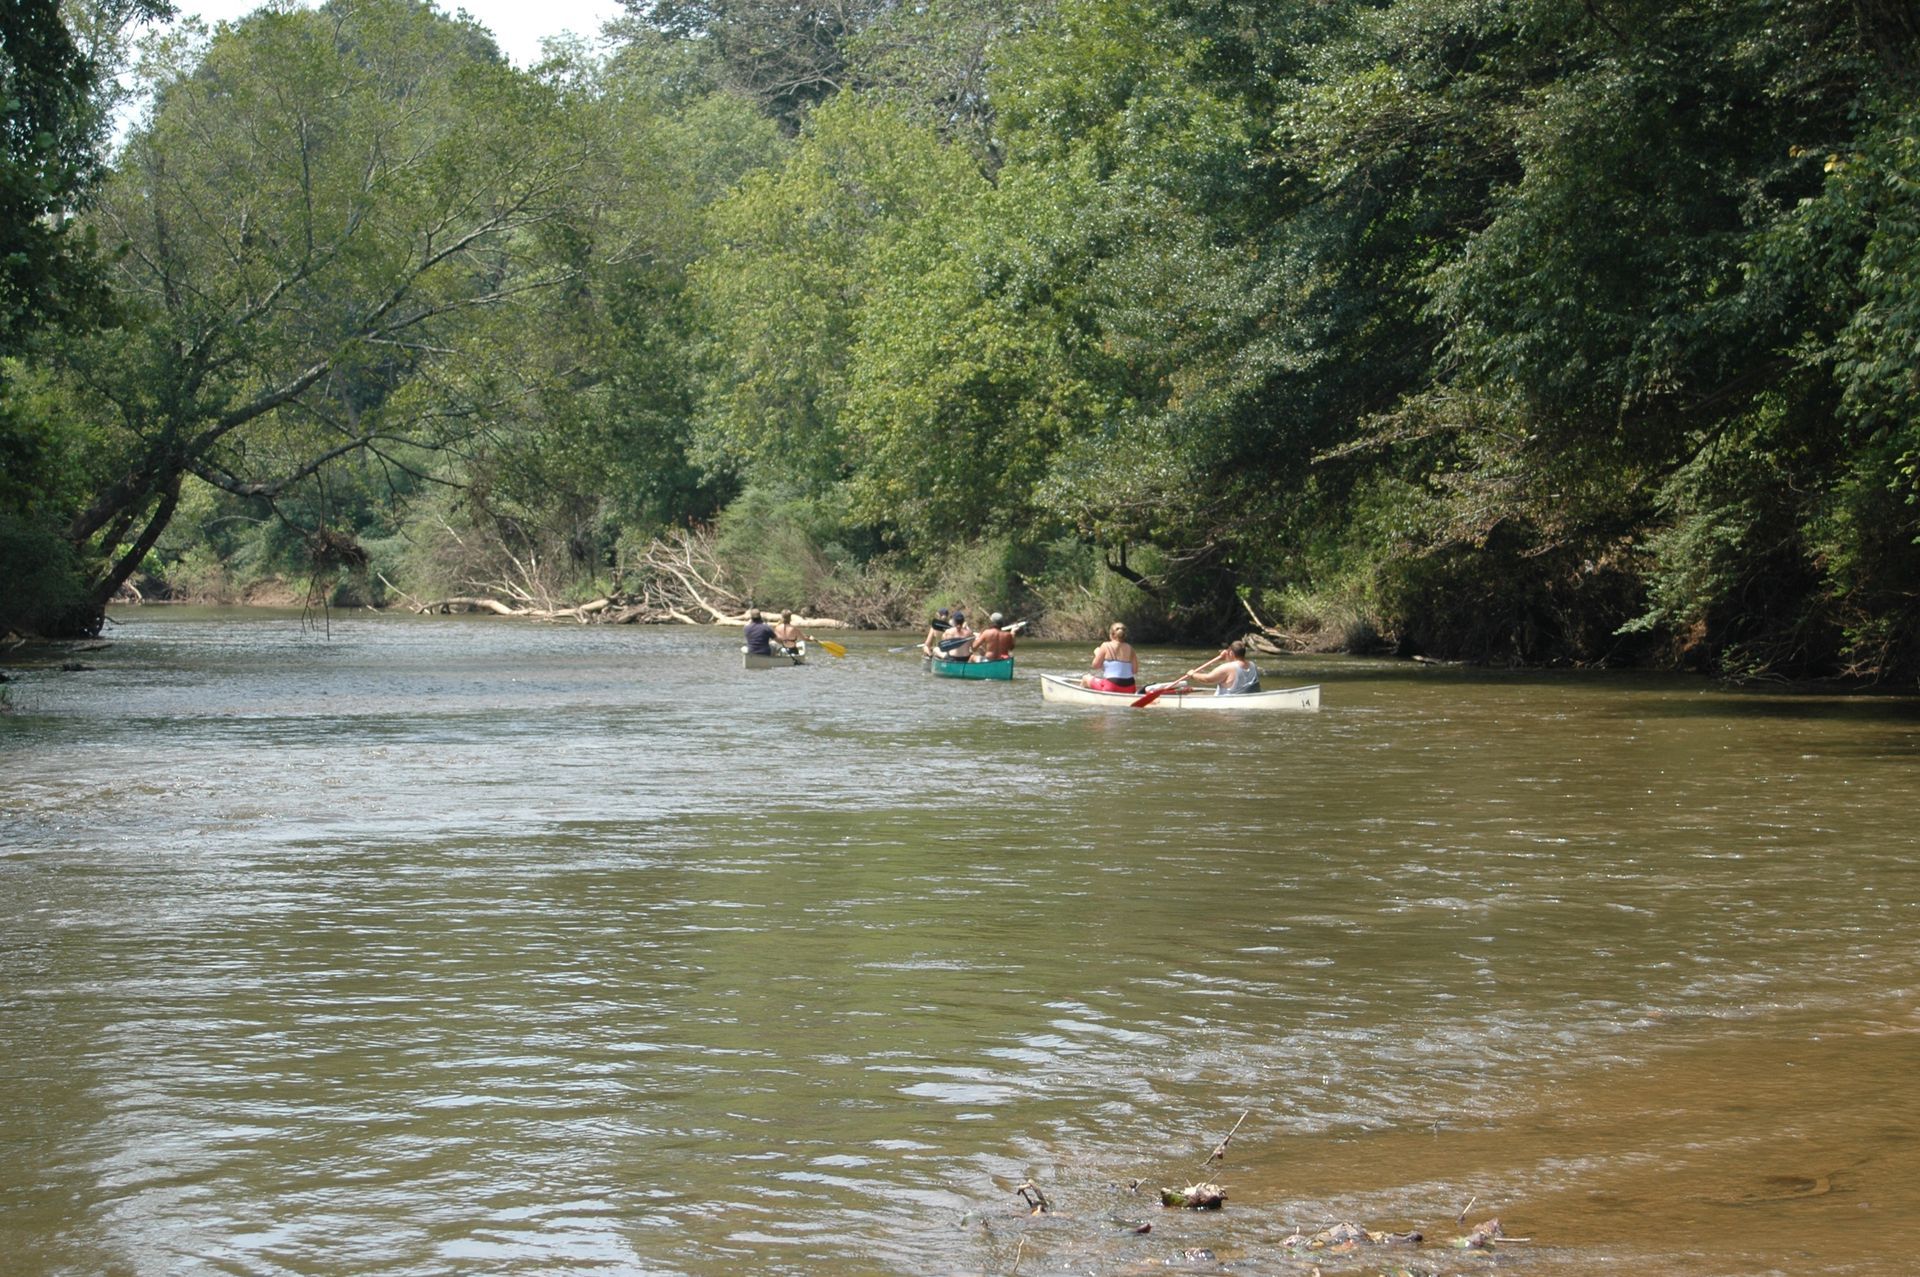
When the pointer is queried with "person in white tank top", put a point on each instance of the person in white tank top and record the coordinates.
(1119, 666)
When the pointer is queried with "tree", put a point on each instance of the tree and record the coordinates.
(53, 94)
(786, 55)
(600, 452)
(797, 253)
(977, 358)
(321, 204)
(51, 124)
(934, 61)
(1690, 362)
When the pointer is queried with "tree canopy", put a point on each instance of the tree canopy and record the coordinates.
(1542, 331)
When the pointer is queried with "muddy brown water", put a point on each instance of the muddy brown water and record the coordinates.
(465, 946)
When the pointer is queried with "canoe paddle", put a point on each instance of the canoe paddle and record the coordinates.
(1155, 693)
(833, 649)
(949, 644)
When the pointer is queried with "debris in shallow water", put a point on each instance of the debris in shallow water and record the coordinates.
(1482, 1237)
(1219, 1153)
(1347, 1236)
(1030, 1193)
(1194, 1197)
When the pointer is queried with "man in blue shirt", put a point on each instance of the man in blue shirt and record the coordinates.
(759, 635)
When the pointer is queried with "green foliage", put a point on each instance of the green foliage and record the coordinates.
(319, 207)
(1533, 331)
(52, 117)
(54, 95)
(932, 61)
(785, 549)
(787, 58)
(1872, 197)
(45, 591)
(769, 548)
(975, 362)
(796, 252)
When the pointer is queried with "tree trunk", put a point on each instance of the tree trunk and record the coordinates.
(109, 585)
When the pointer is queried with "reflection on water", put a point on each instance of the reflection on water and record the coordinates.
(472, 946)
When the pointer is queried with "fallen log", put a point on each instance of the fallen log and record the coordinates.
(471, 603)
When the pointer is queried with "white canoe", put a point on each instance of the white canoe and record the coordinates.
(1067, 691)
(778, 661)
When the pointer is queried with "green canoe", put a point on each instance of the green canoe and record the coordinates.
(1001, 670)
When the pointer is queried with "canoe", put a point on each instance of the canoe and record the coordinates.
(1066, 691)
(999, 670)
(778, 661)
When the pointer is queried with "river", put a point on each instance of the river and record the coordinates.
(467, 946)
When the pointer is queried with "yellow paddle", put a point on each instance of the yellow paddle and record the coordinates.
(833, 648)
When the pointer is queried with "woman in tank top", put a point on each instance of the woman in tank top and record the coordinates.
(1116, 662)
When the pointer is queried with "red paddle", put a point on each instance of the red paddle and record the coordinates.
(1154, 694)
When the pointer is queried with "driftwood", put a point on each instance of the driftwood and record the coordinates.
(1483, 1236)
(1267, 640)
(1219, 1153)
(1348, 1236)
(1203, 1194)
(681, 582)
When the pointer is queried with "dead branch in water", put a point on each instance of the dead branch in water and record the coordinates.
(1034, 1198)
(1266, 639)
(1219, 1153)
(681, 581)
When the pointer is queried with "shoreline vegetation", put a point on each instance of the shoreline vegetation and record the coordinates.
(1520, 335)
(680, 579)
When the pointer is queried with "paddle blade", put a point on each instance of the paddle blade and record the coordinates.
(833, 649)
(1153, 694)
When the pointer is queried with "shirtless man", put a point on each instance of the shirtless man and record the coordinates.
(957, 645)
(789, 635)
(993, 643)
